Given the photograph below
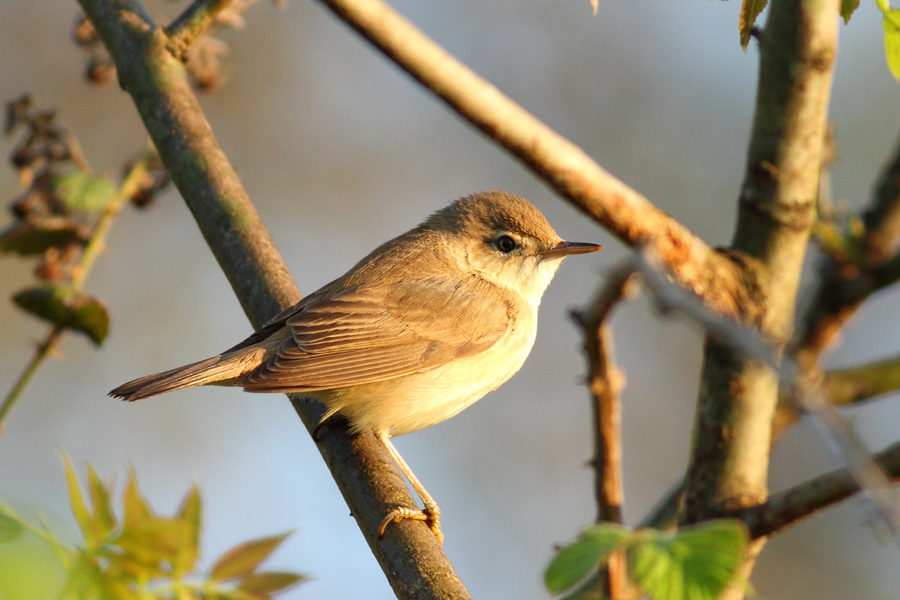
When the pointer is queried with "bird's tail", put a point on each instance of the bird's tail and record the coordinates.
(223, 370)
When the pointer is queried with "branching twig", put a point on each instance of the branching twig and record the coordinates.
(191, 24)
(838, 432)
(605, 382)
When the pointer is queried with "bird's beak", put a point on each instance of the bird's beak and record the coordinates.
(567, 248)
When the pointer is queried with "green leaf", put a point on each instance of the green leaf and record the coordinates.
(92, 533)
(11, 527)
(580, 558)
(190, 515)
(68, 307)
(242, 560)
(103, 513)
(695, 563)
(883, 5)
(265, 584)
(750, 9)
(82, 192)
(892, 41)
(847, 8)
(32, 237)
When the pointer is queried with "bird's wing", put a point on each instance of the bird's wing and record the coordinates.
(360, 335)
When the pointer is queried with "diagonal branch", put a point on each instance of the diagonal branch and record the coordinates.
(191, 24)
(559, 162)
(410, 556)
(787, 508)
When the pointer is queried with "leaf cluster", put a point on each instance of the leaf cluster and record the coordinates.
(143, 555)
(692, 563)
(57, 216)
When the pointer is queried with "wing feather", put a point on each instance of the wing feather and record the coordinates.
(360, 335)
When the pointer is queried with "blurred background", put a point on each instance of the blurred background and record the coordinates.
(340, 151)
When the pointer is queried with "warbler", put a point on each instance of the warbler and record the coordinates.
(421, 328)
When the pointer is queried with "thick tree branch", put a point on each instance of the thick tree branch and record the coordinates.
(558, 161)
(409, 555)
(732, 434)
(787, 508)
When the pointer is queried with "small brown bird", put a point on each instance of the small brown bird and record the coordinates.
(418, 330)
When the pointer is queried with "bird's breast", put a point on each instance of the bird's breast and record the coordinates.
(418, 400)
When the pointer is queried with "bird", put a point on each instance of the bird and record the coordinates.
(421, 328)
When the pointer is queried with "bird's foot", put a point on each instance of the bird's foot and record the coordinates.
(431, 516)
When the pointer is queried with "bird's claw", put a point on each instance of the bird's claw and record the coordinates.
(432, 518)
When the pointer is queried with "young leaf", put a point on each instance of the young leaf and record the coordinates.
(189, 514)
(695, 563)
(847, 9)
(242, 560)
(11, 527)
(750, 9)
(883, 5)
(136, 508)
(92, 533)
(579, 559)
(103, 513)
(65, 306)
(29, 238)
(81, 192)
(892, 41)
(154, 541)
(270, 582)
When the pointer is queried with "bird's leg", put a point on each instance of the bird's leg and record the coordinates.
(432, 513)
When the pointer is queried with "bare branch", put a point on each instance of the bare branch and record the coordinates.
(787, 508)
(844, 286)
(605, 383)
(854, 384)
(191, 24)
(558, 161)
(741, 339)
(410, 555)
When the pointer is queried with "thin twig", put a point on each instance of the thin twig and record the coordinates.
(191, 23)
(787, 508)
(605, 383)
(44, 349)
(92, 249)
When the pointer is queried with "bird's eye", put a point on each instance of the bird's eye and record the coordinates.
(505, 244)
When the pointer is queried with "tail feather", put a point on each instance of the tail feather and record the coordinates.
(222, 369)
